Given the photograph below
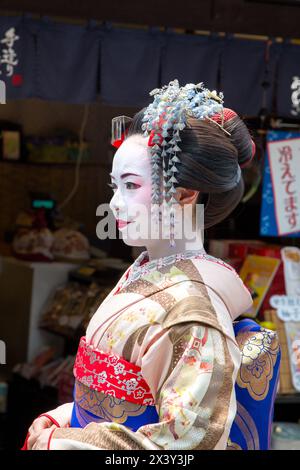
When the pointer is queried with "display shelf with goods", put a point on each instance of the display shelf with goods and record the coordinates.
(266, 286)
(47, 377)
(289, 399)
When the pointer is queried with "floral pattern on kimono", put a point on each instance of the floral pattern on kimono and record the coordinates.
(175, 322)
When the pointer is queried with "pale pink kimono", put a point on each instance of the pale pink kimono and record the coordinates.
(175, 322)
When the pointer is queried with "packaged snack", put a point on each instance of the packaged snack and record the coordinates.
(291, 264)
(70, 245)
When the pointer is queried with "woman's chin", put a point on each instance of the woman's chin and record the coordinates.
(134, 242)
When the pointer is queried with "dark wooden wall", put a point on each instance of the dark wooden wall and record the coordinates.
(262, 17)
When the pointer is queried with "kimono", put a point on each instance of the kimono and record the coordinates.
(158, 365)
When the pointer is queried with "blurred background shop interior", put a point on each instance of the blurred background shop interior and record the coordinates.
(65, 73)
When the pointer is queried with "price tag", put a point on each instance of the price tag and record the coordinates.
(287, 306)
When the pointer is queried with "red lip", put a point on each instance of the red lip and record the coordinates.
(122, 223)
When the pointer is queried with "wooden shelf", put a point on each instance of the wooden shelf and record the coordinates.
(288, 399)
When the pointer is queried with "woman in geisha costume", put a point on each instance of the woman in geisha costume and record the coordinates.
(158, 365)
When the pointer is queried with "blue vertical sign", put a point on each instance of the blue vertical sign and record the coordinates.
(268, 220)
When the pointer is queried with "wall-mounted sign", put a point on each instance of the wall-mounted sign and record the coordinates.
(280, 213)
(8, 56)
(284, 160)
(287, 306)
(288, 310)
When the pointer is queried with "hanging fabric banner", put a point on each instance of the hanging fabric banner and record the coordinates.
(130, 62)
(51, 60)
(18, 56)
(288, 90)
(68, 61)
(247, 75)
(191, 59)
(280, 212)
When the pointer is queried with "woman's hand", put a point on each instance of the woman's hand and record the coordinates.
(61, 417)
(42, 441)
(38, 426)
(62, 414)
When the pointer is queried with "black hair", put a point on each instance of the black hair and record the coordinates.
(210, 162)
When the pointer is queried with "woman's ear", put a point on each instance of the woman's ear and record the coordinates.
(186, 196)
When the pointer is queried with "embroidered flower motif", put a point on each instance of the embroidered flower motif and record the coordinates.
(87, 380)
(148, 401)
(119, 368)
(256, 369)
(131, 317)
(93, 358)
(79, 361)
(232, 445)
(175, 271)
(111, 343)
(252, 349)
(189, 359)
(154, 277)
(131, 384)
(205, 366)
(169, 396)
(113, 359)
(259, 353)
(110, 365)
(122, 334)
(151, 316)
(102, 377)
(139, 392)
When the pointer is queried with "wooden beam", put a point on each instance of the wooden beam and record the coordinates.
(235, 16)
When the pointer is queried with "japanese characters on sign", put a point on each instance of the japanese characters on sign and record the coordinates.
(8, 55)
(295, 96)
(287, 306)
(284, 158)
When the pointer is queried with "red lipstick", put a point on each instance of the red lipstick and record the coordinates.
(122, 223)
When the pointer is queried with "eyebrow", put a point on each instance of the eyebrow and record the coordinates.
(124, 175)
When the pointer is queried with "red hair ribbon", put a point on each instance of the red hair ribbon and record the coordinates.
(117, 143)
(161, 121)
(152, 134)
(230, 114)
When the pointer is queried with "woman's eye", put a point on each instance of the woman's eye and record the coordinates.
(128, 185)
(132, 185)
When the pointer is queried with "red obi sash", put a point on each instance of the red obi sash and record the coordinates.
(111, 374)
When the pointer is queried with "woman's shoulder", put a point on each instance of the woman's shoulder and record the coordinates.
(217, 261)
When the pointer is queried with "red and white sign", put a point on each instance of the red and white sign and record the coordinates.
(284, 158)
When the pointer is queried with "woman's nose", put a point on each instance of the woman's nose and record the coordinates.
(116, 203)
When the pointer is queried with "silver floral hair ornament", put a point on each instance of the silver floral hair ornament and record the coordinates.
(163, 120)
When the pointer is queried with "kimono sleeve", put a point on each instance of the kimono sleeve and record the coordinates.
(191, 372)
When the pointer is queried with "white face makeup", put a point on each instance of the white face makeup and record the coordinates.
(131, 184)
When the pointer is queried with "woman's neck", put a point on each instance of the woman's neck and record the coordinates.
(160, 248)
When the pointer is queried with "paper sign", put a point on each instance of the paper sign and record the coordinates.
(268, 223)
(284, 160)
(292, 331)
(287, 306)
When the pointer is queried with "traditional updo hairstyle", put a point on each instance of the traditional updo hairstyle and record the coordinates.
(210, 162)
